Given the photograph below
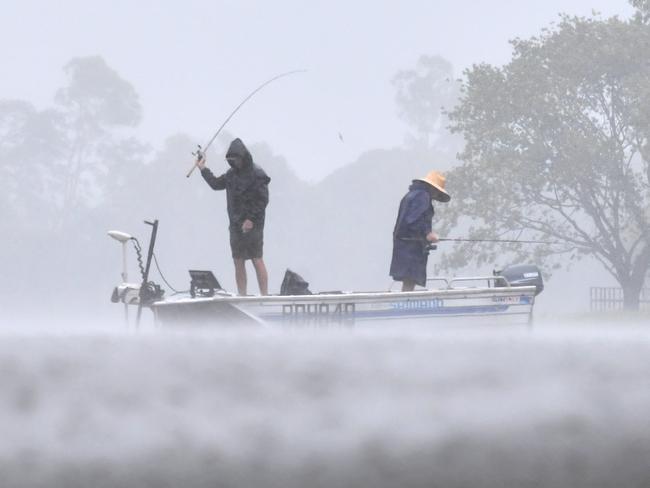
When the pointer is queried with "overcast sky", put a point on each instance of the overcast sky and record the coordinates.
(193, 61)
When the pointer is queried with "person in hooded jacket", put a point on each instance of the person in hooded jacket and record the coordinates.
(247, 195)
(412, 232)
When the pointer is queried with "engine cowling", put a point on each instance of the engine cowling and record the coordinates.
(521, 275)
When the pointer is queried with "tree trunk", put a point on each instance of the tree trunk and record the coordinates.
(631, 295)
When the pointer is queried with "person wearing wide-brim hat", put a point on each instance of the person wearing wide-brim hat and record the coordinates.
(413, 232)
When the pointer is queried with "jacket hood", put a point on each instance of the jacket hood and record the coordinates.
(238, 148)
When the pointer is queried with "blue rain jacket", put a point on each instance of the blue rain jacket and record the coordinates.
(409, 236)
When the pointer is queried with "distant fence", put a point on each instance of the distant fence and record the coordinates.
(606, 298)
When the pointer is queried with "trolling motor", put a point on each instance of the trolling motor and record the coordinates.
(149, 291)
(132, 294)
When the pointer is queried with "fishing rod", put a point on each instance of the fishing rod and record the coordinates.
(450, 239)
(515, 241)
(200, 152)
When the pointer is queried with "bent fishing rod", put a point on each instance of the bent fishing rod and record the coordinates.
(200, 152)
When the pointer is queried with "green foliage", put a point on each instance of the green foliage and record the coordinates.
(643, 10)
(557, 147)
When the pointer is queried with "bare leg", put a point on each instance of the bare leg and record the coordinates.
(240, 275)
(262, 275)
(408, 285)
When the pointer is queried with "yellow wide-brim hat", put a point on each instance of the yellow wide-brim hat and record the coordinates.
(437, 180)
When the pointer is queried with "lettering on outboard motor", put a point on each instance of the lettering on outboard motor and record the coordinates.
(508, 300)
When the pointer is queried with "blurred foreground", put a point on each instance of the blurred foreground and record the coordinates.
(552, 407)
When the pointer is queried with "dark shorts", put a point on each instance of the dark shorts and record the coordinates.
(247, 245)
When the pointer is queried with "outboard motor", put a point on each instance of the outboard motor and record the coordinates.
(521, 275)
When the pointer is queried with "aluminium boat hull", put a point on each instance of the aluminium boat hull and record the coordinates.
(493, 305)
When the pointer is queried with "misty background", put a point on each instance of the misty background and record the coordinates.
(101, 105)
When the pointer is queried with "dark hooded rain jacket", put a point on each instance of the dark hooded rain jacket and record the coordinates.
(247, 191)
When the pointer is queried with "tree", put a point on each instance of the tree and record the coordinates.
(642, 10)
(558, 148)
(423, 93)
(60, 160)
(95, 102)
(56, 167)
(29, 139)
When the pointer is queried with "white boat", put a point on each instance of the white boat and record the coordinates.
(497, 305)
(507, 297)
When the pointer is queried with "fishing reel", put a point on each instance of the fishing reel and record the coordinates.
(198, 154)
(427, 246)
